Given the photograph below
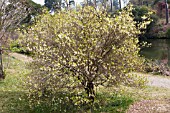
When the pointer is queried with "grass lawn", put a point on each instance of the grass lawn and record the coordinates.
(108, 100)
(11, 88)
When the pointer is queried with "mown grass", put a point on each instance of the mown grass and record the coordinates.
(13, 95)
(108, 100)
(11, 89)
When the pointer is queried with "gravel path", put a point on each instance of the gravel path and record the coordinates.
(150, 106)
(153, 106)
(21, 57)
(158, 81)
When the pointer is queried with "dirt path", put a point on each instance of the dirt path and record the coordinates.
(150, 106)
(21, 57)
(158, 81)
(156, 105)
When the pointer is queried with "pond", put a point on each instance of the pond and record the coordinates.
(159, 50)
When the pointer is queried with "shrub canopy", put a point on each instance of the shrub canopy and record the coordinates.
(77, 51)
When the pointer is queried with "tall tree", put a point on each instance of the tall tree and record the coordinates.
(166, 9)
(36, 9)
(111, 5)
(12, 13)
(120, 4)
(52, 4)
(167, 12)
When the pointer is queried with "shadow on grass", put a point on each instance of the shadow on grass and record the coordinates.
(112, 103)
(16, 102)
(1, 82)
(11, 102)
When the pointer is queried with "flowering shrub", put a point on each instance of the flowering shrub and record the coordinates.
(78, 51)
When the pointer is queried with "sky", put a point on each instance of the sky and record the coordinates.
(39, 1)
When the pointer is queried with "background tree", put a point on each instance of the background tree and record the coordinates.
(36, 9)
(55, 4)
(141, 14)
(12, 13)
(120, 4)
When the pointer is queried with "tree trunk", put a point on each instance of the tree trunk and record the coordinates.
(120, 4)
(139, 2)
(104, 4)
(111, 5)
(95, 3)
(167, 12)
(1, 65)
(90, 91)
(87, 2)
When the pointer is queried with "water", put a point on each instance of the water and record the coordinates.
(159, 50)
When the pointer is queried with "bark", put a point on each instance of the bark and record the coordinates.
(111, 5)
(167, 12)
(139, 2)
(95, 3)
(87, 2)
(104, 4)
(120, 4)
(90, 91)
(1, 65)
